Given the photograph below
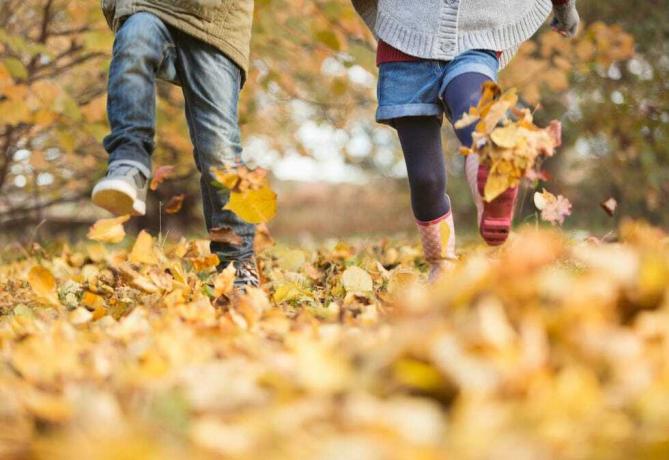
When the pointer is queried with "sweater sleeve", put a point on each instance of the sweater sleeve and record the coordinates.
(367, 9)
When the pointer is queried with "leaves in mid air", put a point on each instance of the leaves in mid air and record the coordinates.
(108, 230)
(554, 209)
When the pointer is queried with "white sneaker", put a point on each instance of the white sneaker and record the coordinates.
(122, 191)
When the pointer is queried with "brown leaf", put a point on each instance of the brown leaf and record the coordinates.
(225, 235)
(609, 206)
(175, 204)
(263, 239)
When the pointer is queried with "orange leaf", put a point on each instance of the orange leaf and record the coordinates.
(161, 174)
(175, 203)
(43, 284)
(142, 251)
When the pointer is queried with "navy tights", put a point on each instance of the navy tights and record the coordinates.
(421, 143)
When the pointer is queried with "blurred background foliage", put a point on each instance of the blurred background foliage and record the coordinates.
(307, 114)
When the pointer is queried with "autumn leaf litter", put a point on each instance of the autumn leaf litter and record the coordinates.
(546, 346)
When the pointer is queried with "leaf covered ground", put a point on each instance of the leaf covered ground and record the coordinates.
(547, 348)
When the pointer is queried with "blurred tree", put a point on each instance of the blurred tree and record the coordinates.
(314, 61)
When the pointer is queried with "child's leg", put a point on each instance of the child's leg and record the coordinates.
(421, 143)
(211, 84)
(139, 49)
(495, 217)
(139, 52)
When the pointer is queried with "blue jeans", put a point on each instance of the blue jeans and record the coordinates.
(145, 49)
(414, 89)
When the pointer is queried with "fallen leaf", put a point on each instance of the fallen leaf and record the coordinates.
(356, 280)
(263, 239)
(142, 251)
(43, 284)
(92, 301)
(203, 263)
(224, 281)
(108, 230)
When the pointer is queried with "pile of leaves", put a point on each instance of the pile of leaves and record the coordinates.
(506, 139)
(546, 348)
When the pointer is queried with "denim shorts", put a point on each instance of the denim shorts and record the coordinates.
(416, 88)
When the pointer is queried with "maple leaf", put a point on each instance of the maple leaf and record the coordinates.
(254, 206)
(553, 208)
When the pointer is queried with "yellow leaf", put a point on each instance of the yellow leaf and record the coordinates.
(289, 292)
(357, 280)
(254, 206)
(92, 301)
(228, 179)
(495, 186)
(142, 251)
(205, 263)
(506, 137)
(43, 284)
(225, 281)
(108, 230)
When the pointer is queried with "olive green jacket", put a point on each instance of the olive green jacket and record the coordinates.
(224, 24)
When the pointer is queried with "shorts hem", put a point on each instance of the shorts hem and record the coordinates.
(386, 113)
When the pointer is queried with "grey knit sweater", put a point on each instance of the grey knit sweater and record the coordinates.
(442, 29)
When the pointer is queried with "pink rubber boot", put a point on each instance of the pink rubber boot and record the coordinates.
(495, 217)
(438, 238)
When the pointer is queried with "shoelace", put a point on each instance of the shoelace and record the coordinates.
(247, 273)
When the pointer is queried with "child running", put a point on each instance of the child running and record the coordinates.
(433, 57)
(202, 46)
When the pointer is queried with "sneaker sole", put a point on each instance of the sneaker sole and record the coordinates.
(118, 197)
